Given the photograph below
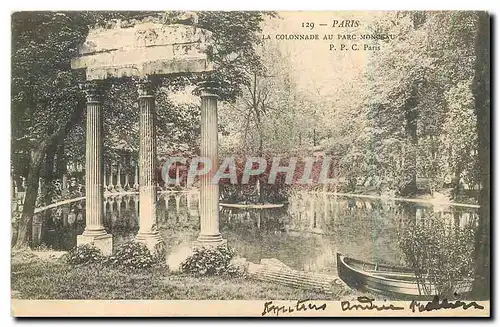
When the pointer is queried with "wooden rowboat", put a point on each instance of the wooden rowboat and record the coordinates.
(392, 281)
(251, 206)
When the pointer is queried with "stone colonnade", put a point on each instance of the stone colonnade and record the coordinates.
(95, 232)
(209, 193)
(94, 229)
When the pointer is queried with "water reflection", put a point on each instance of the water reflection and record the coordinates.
(304, 234)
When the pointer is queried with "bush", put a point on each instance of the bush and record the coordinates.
(440, 254)
(133, 255)
(86, 253)
(206, 261)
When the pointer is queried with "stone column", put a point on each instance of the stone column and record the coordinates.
(136, 176)
(94, 232)
(209, 193)
(118, 177)
(105, 179)
(64, 186)
(119, 205)
(111, 186)
(148, 232)
(177, 177)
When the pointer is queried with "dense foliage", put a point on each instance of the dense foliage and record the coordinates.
(82, 254)
(440, 253)
(420, 113)
(407, 116)
(206, 261)
(133, 255)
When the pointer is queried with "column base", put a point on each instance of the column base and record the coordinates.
(154, 242)
(209, 240)
(104, 242)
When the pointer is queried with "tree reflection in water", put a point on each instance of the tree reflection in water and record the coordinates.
(304, 234)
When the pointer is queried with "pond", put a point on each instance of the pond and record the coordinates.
(305, 234)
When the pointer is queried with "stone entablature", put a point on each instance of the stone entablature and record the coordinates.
(144, 49)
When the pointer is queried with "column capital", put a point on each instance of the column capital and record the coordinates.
(145, 87)
(93, 91)
(207, 89)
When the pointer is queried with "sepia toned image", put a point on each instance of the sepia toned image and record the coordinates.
(250, 163)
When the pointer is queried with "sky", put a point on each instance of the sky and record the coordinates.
(316, 68)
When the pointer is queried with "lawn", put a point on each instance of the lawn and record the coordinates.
(36, 278)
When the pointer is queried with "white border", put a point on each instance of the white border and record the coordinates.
(492, 6)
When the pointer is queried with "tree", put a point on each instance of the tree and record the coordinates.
(482, 282)
(459, 141)
(43, 87)
(453, 108)
(422, 80)
(397, 99)
(254, 118)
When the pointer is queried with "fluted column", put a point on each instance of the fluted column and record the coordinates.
(94, 232)
(148, 232)
(209, 193)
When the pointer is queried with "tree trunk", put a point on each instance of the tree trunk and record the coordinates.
(481, 285)
(61, 161)
(261, 177)
(411, 116)
(456, 180)
(36, 160)
(24, 227)
(47, 173)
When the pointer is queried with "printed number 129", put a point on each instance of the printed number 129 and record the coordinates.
(309, 25)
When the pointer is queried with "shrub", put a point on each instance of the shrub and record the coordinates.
(440, 254)
(86, 253)
(133, 255)
(207, 261)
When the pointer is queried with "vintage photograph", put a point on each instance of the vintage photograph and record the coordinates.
(250, 163)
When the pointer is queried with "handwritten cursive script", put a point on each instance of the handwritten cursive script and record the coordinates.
(435, 304)
(366, 303)
(301, 305)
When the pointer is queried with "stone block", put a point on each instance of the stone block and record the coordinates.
(103, 242)
(209, 243)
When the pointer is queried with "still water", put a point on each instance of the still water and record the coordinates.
(305, 234)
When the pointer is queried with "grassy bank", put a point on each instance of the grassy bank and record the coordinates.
(36, 278)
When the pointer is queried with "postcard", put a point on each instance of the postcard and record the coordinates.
(250, 163)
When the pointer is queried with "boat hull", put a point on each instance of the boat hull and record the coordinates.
(395, 283)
